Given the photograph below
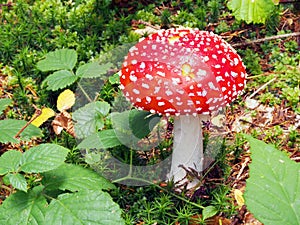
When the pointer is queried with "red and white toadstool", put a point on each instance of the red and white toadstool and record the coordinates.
(187, 73)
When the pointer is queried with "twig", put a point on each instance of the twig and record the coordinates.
(37, 113)
(248, 42)
(262, 87)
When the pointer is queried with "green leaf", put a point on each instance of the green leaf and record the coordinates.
(256, 11)
(24, 208)
(101, 140)
(60, 79)
(75, 178)
(90, 118)
(43, 158)
(4, 103)
(142, 122)
(10, 127)
(10, 161)
(209, 211)
(84, 207)
(114, 79)
(133, 125)
(272, 191)
(93, 70)
(17, 181)
(63, 59)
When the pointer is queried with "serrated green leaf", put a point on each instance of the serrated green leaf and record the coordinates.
(62, 59)
(75, 178)
(60, 79)
(10, 161)
(24, 208)
(17, 181)
(272, 191)
(4, 103)
(101, 140)
(84, 208)
(90, 118)
(251, 11)
(10, 127)
(43, 158)
(93, 70)
(209, 211)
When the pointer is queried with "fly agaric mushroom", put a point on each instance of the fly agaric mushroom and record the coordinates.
(187, 73)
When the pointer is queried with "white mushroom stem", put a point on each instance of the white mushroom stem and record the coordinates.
(187, 146)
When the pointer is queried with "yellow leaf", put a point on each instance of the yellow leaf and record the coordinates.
(45, 115)
(65, 100)
(238, 195)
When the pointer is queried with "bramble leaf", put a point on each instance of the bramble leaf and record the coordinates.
(84, 207)
(100, 140)
(18, 181)
(60, 79)
(75, 178)
(10, 127)
(93, 70)
(4, 103)
(43, 158)
(62, 59)
(90, 118)
(24, 208)
(256, 11)
(10, 161)
(272, 191)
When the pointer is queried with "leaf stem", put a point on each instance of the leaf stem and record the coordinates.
(84, 92)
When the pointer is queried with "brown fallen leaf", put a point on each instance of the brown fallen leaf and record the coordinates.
(62, 121)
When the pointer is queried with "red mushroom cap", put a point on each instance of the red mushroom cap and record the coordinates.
(182, 71)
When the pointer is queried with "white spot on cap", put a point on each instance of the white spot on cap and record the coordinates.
(233, 74)
(153, 47)
(219, 78)
(206, 58)
(201, 73)
(148, 99)
(160, 103)
(169, 93)
(176, 80)
(152, 111)
(224, 89)
(142, 65)
(136, 91)
(209, 101)
(180, 92)
(226, 74)
(144, 85)
(179, 103)
(161, 73)
(170, 110)
(212, 86)
(214, 56)
(236, 61)
(121, 86)
(156, 90)
(134, 61)
(149, 76)
(133, 78)
(218, 66)
(223, 60)
(138, 100)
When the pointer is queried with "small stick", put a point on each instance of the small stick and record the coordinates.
(248, 42)
(262, 87)
(37, 113)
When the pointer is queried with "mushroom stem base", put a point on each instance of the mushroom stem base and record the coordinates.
(187, 147)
